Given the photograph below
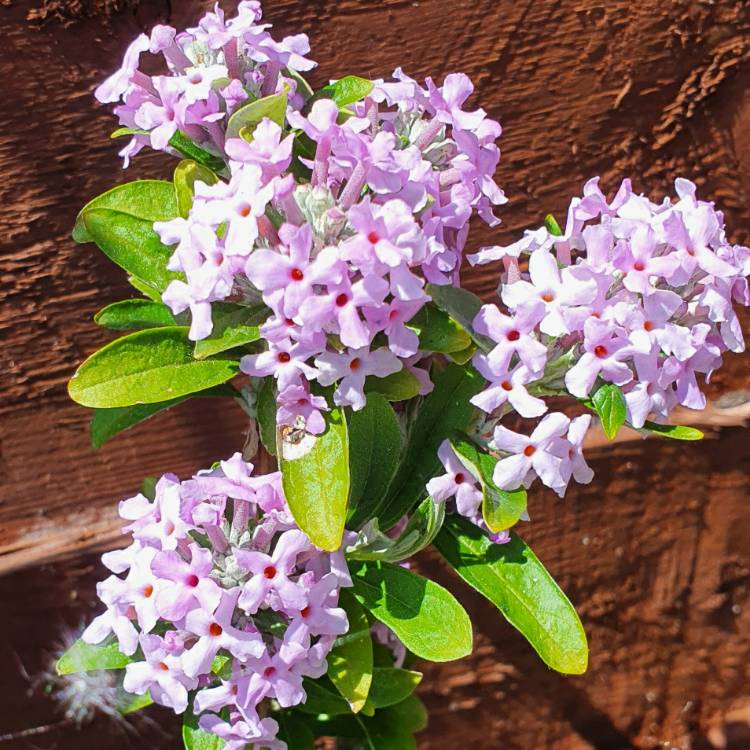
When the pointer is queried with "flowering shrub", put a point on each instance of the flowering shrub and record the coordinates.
(305, 262)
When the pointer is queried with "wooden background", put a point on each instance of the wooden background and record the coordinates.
(655, 553)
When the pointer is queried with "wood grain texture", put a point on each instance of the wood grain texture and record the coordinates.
(659, 571)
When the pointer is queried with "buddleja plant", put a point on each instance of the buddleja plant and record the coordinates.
(304, 262)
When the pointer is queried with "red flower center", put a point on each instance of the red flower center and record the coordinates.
(269, 572)
(341, 300)
(392, 315)
(269, 672)
(459, 478)
(163, 666)
(513, 335)
(305, 612)
(296, 274)
(244, 210)
(601, 351)
(192, 580)
(506, 385)
(355, 363)
(373, 237)
(548, 297)
(648, 326)
(283, 357)
(148, 589)
(529, 450)
(639, 265)
(215, 629)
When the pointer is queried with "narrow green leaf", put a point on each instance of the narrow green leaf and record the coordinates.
(350, 661)
(425, 616)
(673, 431)
(244, 119)
(609, 403)
(463, 307)
(146, 367)
(194, 738)
(146, 289)
(120, 132)
(345, 91)
(315, 477)
(106, 423)
(190, 150)
(266, 413)
(400, 386)
(391, 685)
(550, 222)
(438, 332)
(514, 580)
(374, 450)
(84, 657)
(234, 325)
(186, 174)
(129, 314)
(134, 703)
(443, 411)
(501, 509)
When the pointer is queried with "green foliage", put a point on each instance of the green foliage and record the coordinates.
(438, 332)
(425, 616)
(512, 578)
(190, 150)
(443, 411)
(266, 414)
(374, 450)
(608, 402)
(550, 222)
(399, 386)
(133, 314)
(146, 367)
(194, 738)
(315, 477)
(244, 120)
(391, 685)
(350, 661)
(501, 509)
(345, 91)
(106, 423)
(673, 431)
(85, 657)
(234, 325)
(462, 306)
(186, 174)
(121, 221)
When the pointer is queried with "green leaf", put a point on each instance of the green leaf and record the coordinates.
(322, 699)
(391, 685)
(293, 731)
(194, 738)
(131, 314)
(190, 150)
(186, 174)
(374, 450)
(146, 367)
(85, 657)
(399, 386)
(234, 325)
(421, 529)
(464, 356)
(501, 509)
(425, 616)
(106, 423)
(266, 414)
(350, 660)
(514, 580)
(438, 332)
(550, 222)
(243, 121)
(120, 132)
(410, 714)
(609, 403)
(145, 288)
(345, 91)
(463, 307)
(443, 411)
(133, 703)
(673, 431)
(121, 223)
(315, 477)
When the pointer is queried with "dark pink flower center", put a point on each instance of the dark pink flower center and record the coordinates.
(269, 572)
(513, 335)
(601, 351)
(529, 451)
(192, 580)
(215, 629)
(459, 478)
(296, 274)
(373, 237)
(341, 300)
(355, 363)
(639, 265)
(283, 357)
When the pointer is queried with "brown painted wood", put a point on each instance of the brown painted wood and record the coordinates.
(660, 571)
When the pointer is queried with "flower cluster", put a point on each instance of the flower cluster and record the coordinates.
(633, 293)
(341, 260)
(221, 593)
(213, 69)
